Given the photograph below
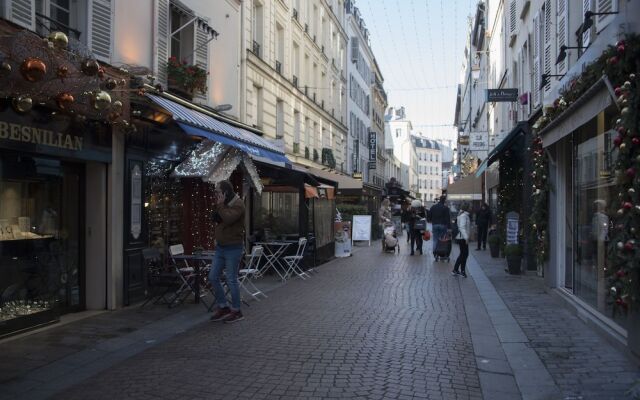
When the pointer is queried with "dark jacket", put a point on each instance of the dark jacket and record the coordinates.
(483, 216)
(440, 215)
(229, 220)
(414, 215)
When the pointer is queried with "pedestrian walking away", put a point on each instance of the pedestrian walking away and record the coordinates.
(228, 215)
(417, 225)
(440, 220)
(483, 220)
(463, 221)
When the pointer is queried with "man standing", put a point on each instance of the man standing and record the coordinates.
(440, 220)
(483, 219)
(229, 218)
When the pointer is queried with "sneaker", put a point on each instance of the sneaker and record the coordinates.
(221, 314)
(463, 274)
(454, 273)
(234, 316)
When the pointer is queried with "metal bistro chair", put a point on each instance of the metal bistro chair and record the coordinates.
(160, 282)
(247, 274)
(187, 275)
(293, 262)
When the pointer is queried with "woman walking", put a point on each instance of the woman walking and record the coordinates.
(464, 226)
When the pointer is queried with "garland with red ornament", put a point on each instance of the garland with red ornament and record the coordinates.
(539, 219)
(620, 63)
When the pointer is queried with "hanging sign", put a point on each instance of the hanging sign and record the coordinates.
(512, 227)
(502, 95)
(355, 155)
(478, 141)
(372, 149)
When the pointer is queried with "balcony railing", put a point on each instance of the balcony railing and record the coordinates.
(256, 48)
(295, 14)
(296, 148)
(279, 67)
(46, 25)
(294, 80)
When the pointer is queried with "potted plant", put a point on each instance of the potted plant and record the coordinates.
(186, 79)
(494, 245)
(513, 253)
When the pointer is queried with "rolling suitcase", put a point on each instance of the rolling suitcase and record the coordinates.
(443, 248)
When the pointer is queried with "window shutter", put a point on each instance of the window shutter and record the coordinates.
(601, 21)
(535, 68)
(513, 18)
(562, 32)
(201, 56)
(162, 41)
(586, 36)
(100, 29)
(22, 12)
(547, 43)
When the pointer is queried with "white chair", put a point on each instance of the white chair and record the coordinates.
(250, 271)
(187, 275)
(293, 262)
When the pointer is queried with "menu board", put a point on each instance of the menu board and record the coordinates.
(361, 230)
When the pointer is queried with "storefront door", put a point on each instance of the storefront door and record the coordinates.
(41, 240)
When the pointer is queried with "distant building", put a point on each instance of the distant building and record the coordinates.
(429, 168)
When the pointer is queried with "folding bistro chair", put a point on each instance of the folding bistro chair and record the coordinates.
(187, 275)
(250, 271)
(160, 282)
(293, 262)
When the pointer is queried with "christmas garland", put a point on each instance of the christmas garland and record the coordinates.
(539, 218)
(620, 64)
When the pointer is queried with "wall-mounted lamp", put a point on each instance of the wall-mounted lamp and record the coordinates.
(544, 78)
(223, 107)
(563, 52)
(588, 18)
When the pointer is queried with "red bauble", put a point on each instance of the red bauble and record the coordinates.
(631, 172)
(617, 141)
(622, 130)
(64, 100)
(635, 141)
(621, 43)
(620, 49)
(101, 72)
(620, 273)
(90, 67)
(628, 246)
(627, 205)
(613, 60)
(33, 69)
(62, 72)
(618, 91)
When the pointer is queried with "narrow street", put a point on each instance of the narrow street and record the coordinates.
(372, 326)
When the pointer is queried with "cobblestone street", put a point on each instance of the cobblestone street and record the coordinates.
(373, 326)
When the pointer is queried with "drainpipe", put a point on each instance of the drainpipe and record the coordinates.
(243, 65)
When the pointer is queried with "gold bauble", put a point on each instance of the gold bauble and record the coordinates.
(59, 39)
(101, 100)
(110, 84)
(5, 68)
(117, 106)
(22, 103)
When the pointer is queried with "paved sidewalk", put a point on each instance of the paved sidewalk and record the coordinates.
(372, 326)
(582, 364)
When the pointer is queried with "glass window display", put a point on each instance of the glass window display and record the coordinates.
(40, 245)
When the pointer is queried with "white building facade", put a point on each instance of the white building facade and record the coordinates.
(429, 156)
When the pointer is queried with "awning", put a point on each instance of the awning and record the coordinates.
(506, 143)
(199, 124)
(597, 98)
(343, 181)
(468, 188)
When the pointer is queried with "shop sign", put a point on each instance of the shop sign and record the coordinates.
(463, 140)
(502, 95)
(357, 175)
(478, 141)
(136, 201)
(372, 149)
(355, 155)
(512, 227)
(32, 135)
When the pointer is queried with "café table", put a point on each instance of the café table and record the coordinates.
(273, 252)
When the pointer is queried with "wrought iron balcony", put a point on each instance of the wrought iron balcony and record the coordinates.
(294, 80)
(279, 67)
(256, 48)
(46, 25)
(295, 14)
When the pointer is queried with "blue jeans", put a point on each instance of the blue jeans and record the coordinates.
(227, 258)
(438, 231)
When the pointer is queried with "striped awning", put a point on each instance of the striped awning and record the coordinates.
(203, 125)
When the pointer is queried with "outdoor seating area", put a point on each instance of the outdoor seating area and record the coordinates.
(179, 277)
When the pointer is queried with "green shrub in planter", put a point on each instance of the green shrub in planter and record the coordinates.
(494, 245)
(513, 252)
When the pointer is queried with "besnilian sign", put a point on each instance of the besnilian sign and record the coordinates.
(28, 134)
(497, 95)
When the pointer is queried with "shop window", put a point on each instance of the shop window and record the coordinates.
(40, 240)
(276, 212)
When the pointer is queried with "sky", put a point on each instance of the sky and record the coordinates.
(419, 46)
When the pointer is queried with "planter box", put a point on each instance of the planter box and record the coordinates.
(179, 91)
(495, 250)
(514, 264)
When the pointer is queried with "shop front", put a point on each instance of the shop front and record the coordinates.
(47, 172)
(365, 199)
(590, 199)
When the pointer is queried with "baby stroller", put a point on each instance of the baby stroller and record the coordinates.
(443, 247)
(390, 241)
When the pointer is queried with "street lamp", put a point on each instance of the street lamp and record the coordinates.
(588, 18)
(544, 78)
(563, 52)
(223, 107)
